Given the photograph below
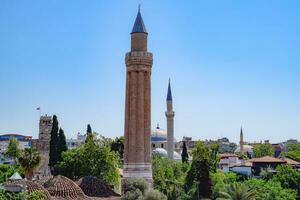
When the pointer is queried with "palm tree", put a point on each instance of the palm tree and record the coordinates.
(29, 160)
(237, 191)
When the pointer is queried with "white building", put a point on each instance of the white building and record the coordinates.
(72, 143)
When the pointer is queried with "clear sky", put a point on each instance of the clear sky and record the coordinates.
(231, 64)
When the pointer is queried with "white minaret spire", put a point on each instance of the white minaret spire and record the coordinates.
(170, 123)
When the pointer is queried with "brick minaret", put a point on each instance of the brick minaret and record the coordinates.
(170, 123)
(137, 152)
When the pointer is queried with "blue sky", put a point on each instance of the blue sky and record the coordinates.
(231, 64)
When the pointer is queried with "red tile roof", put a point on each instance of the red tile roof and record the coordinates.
(267, 159)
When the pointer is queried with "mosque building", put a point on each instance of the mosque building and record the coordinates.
(162, 141)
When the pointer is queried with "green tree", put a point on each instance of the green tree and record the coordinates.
(184, 154)
(221, 180)
(292, 146)
(61, 144)
(53, 154)
(13, 150)
(94, 158)
(270, 190)
(238, 191)
(29, 160)
(295, 155)
(292, 150)
(265, 149)
(118, 146)
(287, 176)
(169, 176)
(89, 129)
(204, 162)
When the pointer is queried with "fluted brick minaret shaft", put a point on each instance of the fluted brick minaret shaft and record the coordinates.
(170, 123)
(137, 153)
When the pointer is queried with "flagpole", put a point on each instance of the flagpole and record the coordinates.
(39, 109)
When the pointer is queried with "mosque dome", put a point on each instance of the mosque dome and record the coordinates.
(61, 187)
(247, 149)
(162, 152)
(159, 135)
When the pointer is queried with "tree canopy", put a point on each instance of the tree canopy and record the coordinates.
(53, 154)
(13, 149)
(58, 145)
(265, 149)
(204, 163)
(94, 158)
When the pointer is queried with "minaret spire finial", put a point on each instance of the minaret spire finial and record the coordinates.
(139, 26)
(169, 95)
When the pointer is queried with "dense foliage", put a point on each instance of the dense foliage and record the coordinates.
(221, 180)
(238, 191)
(169, 176)
(288, 177)
(204, 163)
(137, 189)
(117, 146)
(61, 144)
(58, 145)
(53, 154)
(265, 149)
(270, 190)
(293, 150)
(36, 195)
(93, 158)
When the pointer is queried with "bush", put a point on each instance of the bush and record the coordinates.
(131, 185)
(133, 195)
(154, 195)
(36, 195)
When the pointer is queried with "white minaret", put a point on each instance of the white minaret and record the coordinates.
(170, 123)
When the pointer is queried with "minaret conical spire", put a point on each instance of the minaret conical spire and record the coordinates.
(139, 26)
(169, 95)
(241, 140)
